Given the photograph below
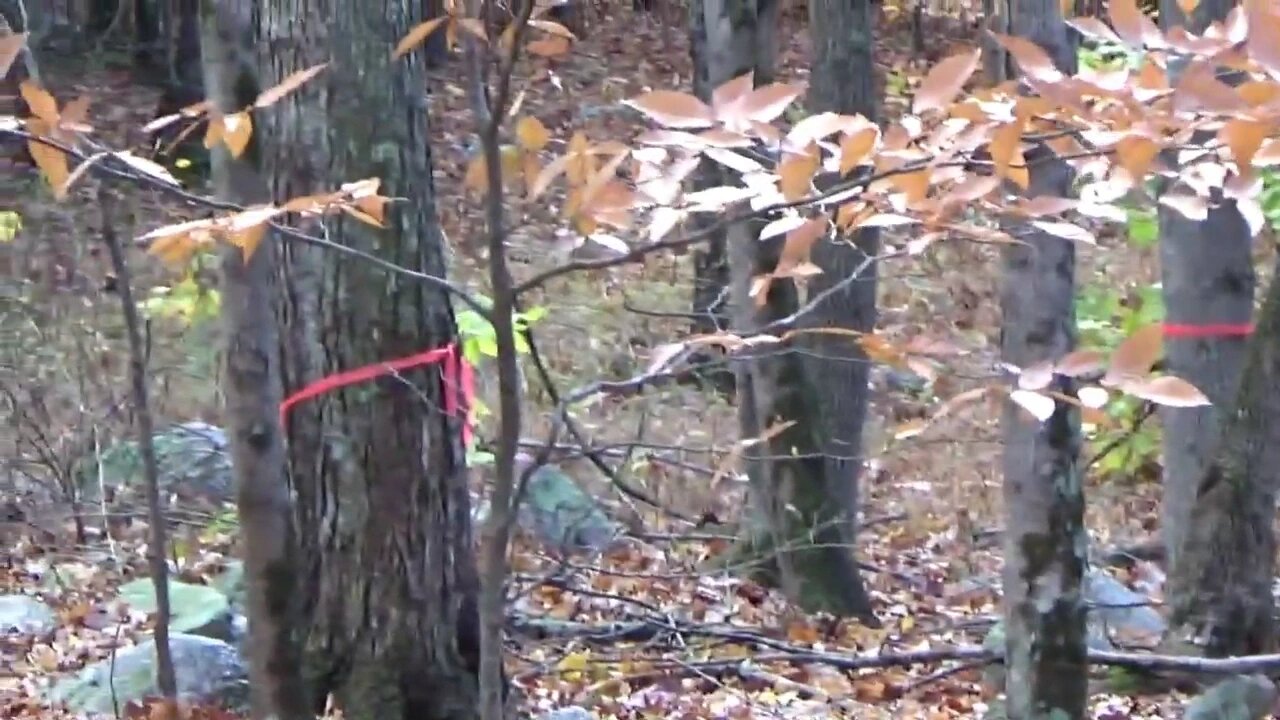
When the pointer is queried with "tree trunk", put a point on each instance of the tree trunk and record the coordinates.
(253, 392)
(727, 38)
(841, 82)
(377, 468)
(1222, 590)
(1045, 544)
(792, 537)
(1207, 279)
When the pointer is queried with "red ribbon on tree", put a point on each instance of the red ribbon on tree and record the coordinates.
(459, 382)
(1213, 330)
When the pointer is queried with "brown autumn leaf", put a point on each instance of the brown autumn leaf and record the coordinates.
(550, 47)
(1136, 153)
(822, 126)
(945, 81)
(51, 161)
(176, 250)
(799, 243)
(766, 104)
(1136, 354)
(673, 109)
(731, 91)
(41, 104)
(1130, 23)
(914, 185)
(1258, 92)
(236, 132)
(417, 36)
(795, 174)
(553, 28)
(532, 134)
(971, 188)
(1199, 89)
(1031, 58)
(10, 47)
(1006, 153)
(1244, 137)
(1167, 390)
(1263, 41)
(248, 239)
(294, 81)
(855, 147)
(1081, 362)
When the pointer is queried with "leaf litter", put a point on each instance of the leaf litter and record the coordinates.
(644, 631)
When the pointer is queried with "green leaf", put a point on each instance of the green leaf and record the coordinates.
(10, 224)
(1144, 230)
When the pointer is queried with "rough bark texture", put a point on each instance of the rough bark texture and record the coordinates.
(1222, 592)
(253, 392)
(841, 81)
(1045, 545)
(727, 38)
(793, 537)
(377, 468)
(1207, 278)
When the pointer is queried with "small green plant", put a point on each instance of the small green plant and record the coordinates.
(480, 341)
(187, 301)
(1107, 56)
(1270, 197)
(10, 225)
(1105, 317)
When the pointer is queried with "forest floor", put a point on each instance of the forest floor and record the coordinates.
(932, 503)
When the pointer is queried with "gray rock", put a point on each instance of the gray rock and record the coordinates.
(193, 457)
(1243, 697)
(572, 712)
(558, 511)
(193, 609)
(25, 614)
(230, 582)
(563, 514)
(208, 671)
(1116, 611)
(1121, 615)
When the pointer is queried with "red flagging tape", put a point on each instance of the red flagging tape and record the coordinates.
(1217, 330)
(459, 379)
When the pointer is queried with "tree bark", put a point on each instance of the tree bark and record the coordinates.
(378, 468)
(1222, 590)
(253, 391)
(841, 81)
(791, 537)
(1207, 278)
(727, 38)
(1045, 544)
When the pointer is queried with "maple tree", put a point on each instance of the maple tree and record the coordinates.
(955, 157)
